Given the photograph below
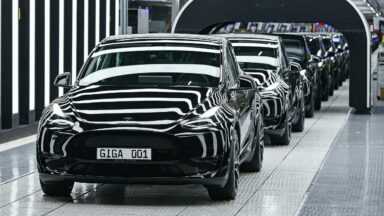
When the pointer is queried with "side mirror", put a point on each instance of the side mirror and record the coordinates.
(315, 59)
(64, 80)
(295, 66)
(246, 82)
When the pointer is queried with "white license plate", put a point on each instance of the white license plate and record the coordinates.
(124, 154)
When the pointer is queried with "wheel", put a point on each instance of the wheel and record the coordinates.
(311, 111)
(256, 163)
(325, 92)
(318, 97)
(229, 191)
(299, 126)
(57, 188)
(330, 85)
(286, 138)
(341, 78)
(336, 81)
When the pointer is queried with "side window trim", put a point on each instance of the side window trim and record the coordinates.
(229, 68)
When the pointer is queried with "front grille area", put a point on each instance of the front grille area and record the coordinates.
(171, 156)
(127, 170)
(164, 147)
(273, 108)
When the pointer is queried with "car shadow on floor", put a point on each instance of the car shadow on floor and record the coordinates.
(147, 195)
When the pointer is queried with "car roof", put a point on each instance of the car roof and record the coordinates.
(290, 35)
(272, 38)
(310, 35)
(175, 37)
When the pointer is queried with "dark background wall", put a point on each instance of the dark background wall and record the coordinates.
(40, 39)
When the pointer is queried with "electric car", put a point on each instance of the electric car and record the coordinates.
(153, 109)
(280, 83)
(324, 61)
(298, 51)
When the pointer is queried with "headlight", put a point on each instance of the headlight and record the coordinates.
(204, 121)
(200, 123)
(303, 72)
(56, 110)
(210, 113)
(59, 120)
(272, 87)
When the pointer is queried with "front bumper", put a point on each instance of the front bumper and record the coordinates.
(192, 159)
(213, 181)
(279, 129)
(274, 109)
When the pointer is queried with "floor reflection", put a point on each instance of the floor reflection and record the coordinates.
(17, 162)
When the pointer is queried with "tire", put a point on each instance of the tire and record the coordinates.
(57, 188)
(311, 111)
(299, 126)
(341, 78)
(318, 97)
(286, 138)
(325, 92)
(330, 85)
(336, 81)
(229, 191)
(256, 163)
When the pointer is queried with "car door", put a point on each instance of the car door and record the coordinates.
(243, 99)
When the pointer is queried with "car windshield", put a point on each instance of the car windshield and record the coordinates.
(327, 43)
(294, 48)
(252, 56)
(154, 65)
(337, 41)
(315, 46)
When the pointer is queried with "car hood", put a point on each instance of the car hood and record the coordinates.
(135, 107)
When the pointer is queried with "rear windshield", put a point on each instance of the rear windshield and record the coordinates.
(256, 51)
(154, 64)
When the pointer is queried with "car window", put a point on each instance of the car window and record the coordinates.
(232, 67)
(233, 61)
(154, 64)
(256, 55)
(284, 56)
(255, 51)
